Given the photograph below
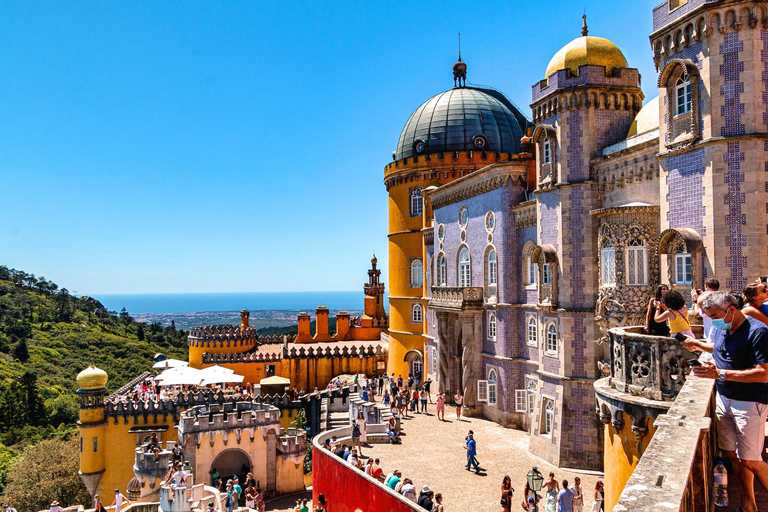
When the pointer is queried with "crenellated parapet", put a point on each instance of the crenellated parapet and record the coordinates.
(228, 416)
(297, 351)
(229, 336)
(243, 357)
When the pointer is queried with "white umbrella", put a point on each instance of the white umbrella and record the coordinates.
(181, 375)
(218, 375)
(170, 363)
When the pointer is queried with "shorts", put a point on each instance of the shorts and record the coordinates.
(741, 427)
(355, 439)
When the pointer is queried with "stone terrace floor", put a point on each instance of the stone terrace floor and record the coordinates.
(432, 453)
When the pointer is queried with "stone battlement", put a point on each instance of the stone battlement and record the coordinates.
(299, 352)
(228, 336)
(228, 416)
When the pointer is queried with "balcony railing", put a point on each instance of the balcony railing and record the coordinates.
(653, 367)
(458, 298)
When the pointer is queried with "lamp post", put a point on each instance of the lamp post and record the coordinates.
(535, 481)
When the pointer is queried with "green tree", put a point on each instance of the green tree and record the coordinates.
(7, 456)
(21, 352)
(45, 472)
(140, 332)
(33, 403)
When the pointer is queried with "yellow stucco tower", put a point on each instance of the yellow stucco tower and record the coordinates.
(92, 386)
(452, 134)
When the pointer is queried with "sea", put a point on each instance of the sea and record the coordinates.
(137, 303)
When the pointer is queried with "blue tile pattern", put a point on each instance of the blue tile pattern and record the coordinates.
(581, 414)
(548, 206)
(579, 360)
(686, 190)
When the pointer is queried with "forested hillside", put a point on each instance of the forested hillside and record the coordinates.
(47, 336)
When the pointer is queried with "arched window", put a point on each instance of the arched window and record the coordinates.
(417, 366)
(533, 337)
(546, 274)
(492, 268)
(416, 313)
(683, 90)
(547, 152)
(492, 326)
(417, 273)
(464, 268)
(551, 338)
(637, 263)
(549, 416)
(416, 202)
(492, 379)
(607, 266)
(532, 269)
(442, 271)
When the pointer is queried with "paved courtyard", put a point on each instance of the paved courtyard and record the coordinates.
(432, 453)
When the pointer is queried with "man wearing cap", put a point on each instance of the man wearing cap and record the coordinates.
(118, 502)
(425, 498)
(471, 446)
(55, 507)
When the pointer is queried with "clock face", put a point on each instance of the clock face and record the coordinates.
(420, 147)
(463, 217)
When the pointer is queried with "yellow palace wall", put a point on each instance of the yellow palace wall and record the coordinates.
(620, 453)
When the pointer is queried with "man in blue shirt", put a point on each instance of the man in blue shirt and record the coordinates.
(565, 499)
(471, 446)
(739, 345)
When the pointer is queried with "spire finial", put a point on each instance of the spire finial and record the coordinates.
(459, 70)
(584, 30)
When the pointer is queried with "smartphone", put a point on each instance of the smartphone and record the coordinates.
(693, 362)
(681, 337)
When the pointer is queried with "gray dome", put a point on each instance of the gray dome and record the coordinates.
(463, 119)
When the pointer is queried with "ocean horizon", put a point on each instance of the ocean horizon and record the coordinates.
(138, 303)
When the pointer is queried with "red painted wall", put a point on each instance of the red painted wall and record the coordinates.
(350, 490)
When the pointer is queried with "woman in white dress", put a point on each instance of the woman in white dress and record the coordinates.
(550, 505)
(361, 423)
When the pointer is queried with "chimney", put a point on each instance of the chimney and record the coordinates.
(304, 335)
(342, 325)
(321, 325)
(244, 316)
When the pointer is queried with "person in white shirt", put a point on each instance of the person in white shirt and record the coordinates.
(578, 497)
(118, 502)
(55, 507)
(179, 478)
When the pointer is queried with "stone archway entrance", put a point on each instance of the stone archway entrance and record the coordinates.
(229, 463)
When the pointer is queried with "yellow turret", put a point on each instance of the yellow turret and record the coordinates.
(92, 384)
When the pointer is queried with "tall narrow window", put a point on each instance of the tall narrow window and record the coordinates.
(95, 444)
(532, 270)
(416, 202)
(608, 266)
(417, 273)
(492, 268)
(549, 416)
(637, 263)
(532, 389)
(492, 377)
(491, 326)
(546, 274)
(442, 271)
(683, 89)
(416, 313)
(464, 268)
(533, 337)
(547, 152)
(683, 269)
(551, 338)
(417, 365)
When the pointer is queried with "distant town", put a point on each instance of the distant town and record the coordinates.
(259, 318)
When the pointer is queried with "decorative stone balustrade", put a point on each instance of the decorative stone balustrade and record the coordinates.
(458, 298)
(653, 367)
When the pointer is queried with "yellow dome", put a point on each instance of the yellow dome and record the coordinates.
(587, 50)
(92, 378)
(647, 119)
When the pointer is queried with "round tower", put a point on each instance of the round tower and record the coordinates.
(92, 386)
(449, 136)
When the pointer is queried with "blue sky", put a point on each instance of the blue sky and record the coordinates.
(240, 146)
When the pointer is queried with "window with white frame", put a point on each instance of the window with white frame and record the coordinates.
(492, 379)
(551, 338)
(521, 400)
(417, 366)
(492, 268)
(417, 202)
(683, 268)
(416, 313)
(532, 270)
(533, 336)
(492, 326)
(442, 270)
(464, 268)
(547, 152)
(417, 273)
(637, 263)
(434, 361)
(482, 391)
(683, 90)
(549, 417)
(532, 390)
(608, 266)
(546, 274)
